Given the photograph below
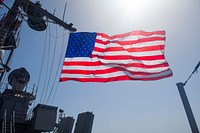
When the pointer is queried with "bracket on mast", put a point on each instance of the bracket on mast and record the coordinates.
(36, 13)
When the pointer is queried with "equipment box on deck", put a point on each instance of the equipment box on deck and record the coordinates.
(44, 117)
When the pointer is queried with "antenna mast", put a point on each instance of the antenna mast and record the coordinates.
(186, 103)
(64, 11)
(12, 21)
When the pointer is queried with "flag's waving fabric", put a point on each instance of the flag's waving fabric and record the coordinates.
(97, 57)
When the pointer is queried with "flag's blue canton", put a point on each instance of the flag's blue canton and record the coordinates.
(81, 44)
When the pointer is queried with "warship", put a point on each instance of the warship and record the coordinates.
(16, 97)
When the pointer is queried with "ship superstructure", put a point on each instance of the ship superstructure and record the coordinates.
(17, 115)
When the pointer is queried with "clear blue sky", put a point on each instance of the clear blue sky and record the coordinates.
(126, 106)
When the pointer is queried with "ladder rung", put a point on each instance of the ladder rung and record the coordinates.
(8, 127)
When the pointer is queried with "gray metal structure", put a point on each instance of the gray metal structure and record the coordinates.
(84, 122)
(44, 118)
(15, 98)
(12, 20)
(187, 108)
(186, 103)
(15, 102)
(66, 125)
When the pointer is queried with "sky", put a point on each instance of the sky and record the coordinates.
(124, 106)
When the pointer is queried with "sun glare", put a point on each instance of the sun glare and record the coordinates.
(135, 5)
(131, 3)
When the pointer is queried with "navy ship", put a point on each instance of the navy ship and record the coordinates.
(16, 97)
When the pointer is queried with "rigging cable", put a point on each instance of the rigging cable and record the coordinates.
(51, 69)
(55, 77)
(60, 63)
(59, 68)
(42, 64)
(195, 70)
(48, 60)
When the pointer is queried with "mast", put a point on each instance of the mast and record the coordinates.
(186, 104)
(16, 98)
(10, 23)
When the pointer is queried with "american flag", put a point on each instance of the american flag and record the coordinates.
(97, 57)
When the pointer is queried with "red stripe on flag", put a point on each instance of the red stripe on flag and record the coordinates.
(133, 33)
(139, 65)
(142, 49)
(143, 40)
(127, 57)
(109, 70)
(116, 78)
